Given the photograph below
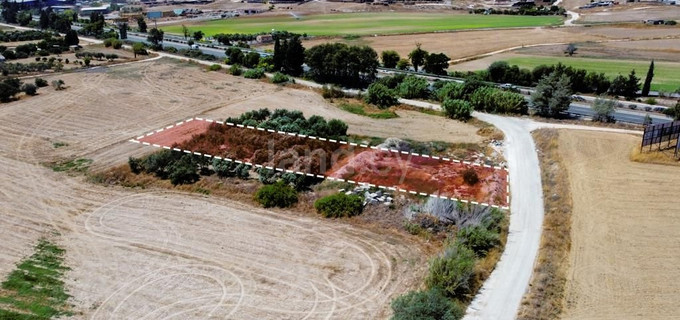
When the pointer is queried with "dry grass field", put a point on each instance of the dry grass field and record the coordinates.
(625, 247)
(158, 253)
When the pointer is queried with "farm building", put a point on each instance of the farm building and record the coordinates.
(88, 11)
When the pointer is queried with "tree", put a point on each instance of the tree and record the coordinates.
(29, 88)
(570, 49)
(351, 66)
(417, 57)
(198, 35)
(278, 194)
(618, 85)
(648, 80)
(436, 63)
(24, 18)
(8, 88)
(632, 86)
(141, 24)
(647, 121)
(380, 96)
(44, 21)
(497, 71)
(390, 58)
(251, 59)
(122, 30)
(235, 55)
(138, 48)
(71, 38)
(184, 171)
(156, 38)
(185, 32)
(414, 87)
(289, 54)
(403, 64)
(457, 109)
(426, 305)
(552, 95)
(604, 108)
(673, 112)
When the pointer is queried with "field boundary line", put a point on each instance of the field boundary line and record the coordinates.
(150, 133)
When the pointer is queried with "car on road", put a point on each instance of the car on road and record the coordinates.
(577, 98)
(632, 106)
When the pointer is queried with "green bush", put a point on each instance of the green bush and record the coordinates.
(479, 239)
(40, 82)
(116, 44)
(425, 305)
(450, 90)
(107, 42)
(215, 67)
(226, 169)
(414, 88)
(278, 194)
(235, 70)
(339, 205)
(184, 171)
(457, 109)
(380, 96)
(453, 271)
(254, 73)
(29, 88)
(135, 165)
(280, 78)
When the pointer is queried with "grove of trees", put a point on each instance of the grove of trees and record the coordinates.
(338, 63)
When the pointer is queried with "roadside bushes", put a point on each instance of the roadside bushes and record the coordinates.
(492, 100)
(280, 78)
(453, 271)
(278, 194)
(457, 109)
(426, 305)
(380, 96)
(413, 87)
(214, 67)
(339, 205)
(256, 73)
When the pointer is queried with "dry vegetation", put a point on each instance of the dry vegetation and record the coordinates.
(623, 261)
(544, 298)
(663, 156)
(158, 252)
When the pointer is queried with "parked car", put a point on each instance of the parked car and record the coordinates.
(648, 108)
(577, 98)
(632, 106)
(659, 109)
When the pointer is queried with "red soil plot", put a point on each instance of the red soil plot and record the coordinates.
(338, 160)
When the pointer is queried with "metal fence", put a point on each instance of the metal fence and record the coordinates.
(656, 135)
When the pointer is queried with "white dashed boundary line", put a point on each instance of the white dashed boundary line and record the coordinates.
(507, 176)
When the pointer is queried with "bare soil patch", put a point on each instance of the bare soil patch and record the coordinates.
(624, 234)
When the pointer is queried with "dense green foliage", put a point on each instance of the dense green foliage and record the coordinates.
(289, 54)
(479, 239)
(338, 63)
(256, 73)
(552, 95)
(278, 194)
(604, 109)
(280, 78)
(390, 58)
(381, 96)
(292, 121)
(452, 272)
(457, 109)
(413, 87)
(339, 205)
(9, 87)
(648, 80)
(426, 305)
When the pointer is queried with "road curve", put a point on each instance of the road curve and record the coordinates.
(502, 292)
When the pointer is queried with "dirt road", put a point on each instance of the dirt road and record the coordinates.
(625, 248)
(501, 294)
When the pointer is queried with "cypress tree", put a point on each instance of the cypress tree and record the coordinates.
(648, 80)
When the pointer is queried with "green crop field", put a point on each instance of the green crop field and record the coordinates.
(666, 74)
(365, 23)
